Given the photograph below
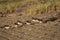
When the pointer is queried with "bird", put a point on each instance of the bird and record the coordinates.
(28, 22)
(37, 20)
(19, 23)
(6, 26)
(15, 25)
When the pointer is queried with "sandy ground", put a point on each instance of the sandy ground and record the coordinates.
(37, 31)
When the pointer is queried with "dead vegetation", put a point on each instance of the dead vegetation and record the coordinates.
(9, 6)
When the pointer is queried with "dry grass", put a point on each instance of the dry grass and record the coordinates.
(9, 6)
(44, 6)
(49, 6)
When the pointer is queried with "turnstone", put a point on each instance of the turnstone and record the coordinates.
(15, 25)
(19, 23)
(6, 26)
(37, 20)
(28, 22)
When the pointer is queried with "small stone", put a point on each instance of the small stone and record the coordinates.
(30, 29)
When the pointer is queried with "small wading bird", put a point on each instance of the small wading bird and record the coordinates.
(19, 23)
(15, 25)
(37, 20)
(6, 26)
(28, 22)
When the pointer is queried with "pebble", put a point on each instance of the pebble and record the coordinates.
(30, 29)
